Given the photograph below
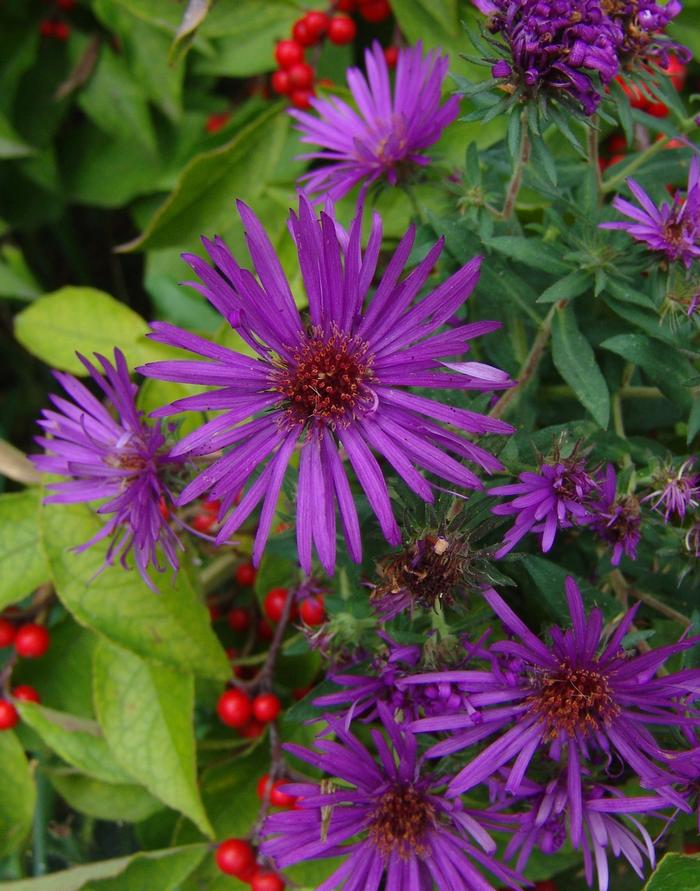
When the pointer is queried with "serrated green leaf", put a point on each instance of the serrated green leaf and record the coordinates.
(146, 712)
(172, 626)
(23, 564)
(18, 794)
(86, 320)
(576, 363)
(157, 870)
(103, 801)
(549, 579)
(78, 741)
(532, 252)
(568, 287)
(203, 200)
(676, 872)
(668, 369)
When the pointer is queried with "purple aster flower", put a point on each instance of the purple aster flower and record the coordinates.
(679, 492)
(555, 47)
(388, 134)
(335, 383)
(555, 498)
(672, 229)
(607, 819)
(361, 694)
(120, 460)
(581, 700)
(388, 819)
(617, 520)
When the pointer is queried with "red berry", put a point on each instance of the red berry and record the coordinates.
(376, 11)
(617, 143)
(677, 71)
(298, 693)
(9, 716)
(288, 53)
(61, 31)
(303, 34)
(615, 159)
(274, 603)
(66, 5)
(46, 28)
(32, 641)
(265, 632)
(266, 707)
(637, 97)
(7, 633)
(213, 507)
(26, 693)
(546, 885)
(163, 508)
(657, 109)
(391, 55)
(301, 76)
(317, 23)
(272, 790)
(234, 708)
(214, 611)
(266, 881)
(239, 619)
(341, 30)
(245, 575)
(301, 98)
(312, 610)
(281, 83)
(252, 730)
(235, 857)
(691, 848)
(346, 5)
(203, 522)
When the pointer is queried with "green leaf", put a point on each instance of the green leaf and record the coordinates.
(568, 287)
(16, 278)
(146, 712)
(203, 200)
(193, 17)
(23, 564)
(18, 794)
(549, 579)
(172, 626)
(694, 421)
(12, 145)
(576, 363)
(667, 368)
(104, 801)
(78, 741)
(85, 320)
(161, 870)
(676, 872)
(532, 252)
(114, 100)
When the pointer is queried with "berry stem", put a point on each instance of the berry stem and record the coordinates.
(517, 177)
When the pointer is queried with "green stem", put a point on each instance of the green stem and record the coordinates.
(593, 155)
(417, 207)
(612, 184)
(564, 391)
(517, 177)
(43, 792)
(530, 364)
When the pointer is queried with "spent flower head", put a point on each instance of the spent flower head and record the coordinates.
(387, 136)
(111, 454)
(679, 492)
(617, 519)
(337, 381)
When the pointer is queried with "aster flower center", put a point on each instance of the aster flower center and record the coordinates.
(574, 700)
(327, 379)
(400, 821)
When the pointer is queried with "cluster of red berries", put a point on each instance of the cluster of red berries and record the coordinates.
(295, 77)
(639, 97)
(237, 709)
(30, 641)
(56, 28)
(311, 609)
(237, 857)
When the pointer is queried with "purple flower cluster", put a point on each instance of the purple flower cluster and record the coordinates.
(618, 519)
(555, 46)
(671, 229)
(679, 492)
(642, 23)
(335, 383)
(387, 136)
(121, 461)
